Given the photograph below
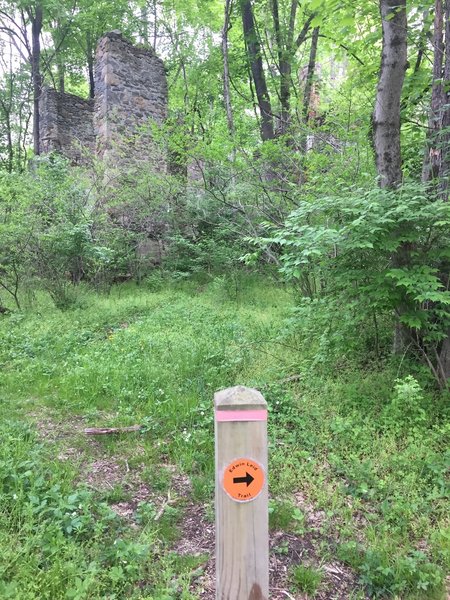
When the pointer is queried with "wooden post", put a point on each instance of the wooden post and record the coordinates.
(242, 523)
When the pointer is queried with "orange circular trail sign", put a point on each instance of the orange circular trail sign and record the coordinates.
(243, 479)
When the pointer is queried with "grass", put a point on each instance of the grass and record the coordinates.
(368, 456)
(283, 515)
(306, 579)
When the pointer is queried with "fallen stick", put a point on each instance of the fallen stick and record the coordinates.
(107, 430)
(290, 379)
(163, 507)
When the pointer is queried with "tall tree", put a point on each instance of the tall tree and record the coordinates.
(445, 167)
(226, 69)
(310, 74)
(286, 49)
(35, 15)
(60, 23)
(436, 168)
(386, 120)
(253, 47)
(386, 116)
(15, 20)
(92, 20)
(433, 152)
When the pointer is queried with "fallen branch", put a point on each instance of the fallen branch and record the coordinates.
(287, 594)
(163, 507)
(108, 430)
(290, 379)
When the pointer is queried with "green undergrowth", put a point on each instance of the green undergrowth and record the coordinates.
(60, 541)
(358, 455)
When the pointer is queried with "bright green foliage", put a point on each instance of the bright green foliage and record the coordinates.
(284, 515)
(411, 576)
(16, 229)
(52, 235)
(359, 441)
(405, 412)
(351, 444)
(341, 251)
(306, 579)
(62, 530)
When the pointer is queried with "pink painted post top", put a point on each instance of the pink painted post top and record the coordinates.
(241, 415)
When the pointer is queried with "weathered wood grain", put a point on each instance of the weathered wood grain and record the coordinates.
(242, 546)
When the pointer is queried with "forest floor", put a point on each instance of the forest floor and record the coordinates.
(357, 508)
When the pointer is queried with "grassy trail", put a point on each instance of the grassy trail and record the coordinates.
(359, 507)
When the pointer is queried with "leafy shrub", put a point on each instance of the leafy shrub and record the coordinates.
(405, 411)
(53, 235)
(341, 249)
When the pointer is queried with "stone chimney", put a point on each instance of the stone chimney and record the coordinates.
(130, 93)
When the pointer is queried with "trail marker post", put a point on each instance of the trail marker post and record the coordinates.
(242, 527)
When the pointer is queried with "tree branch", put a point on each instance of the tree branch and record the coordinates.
(304, 32)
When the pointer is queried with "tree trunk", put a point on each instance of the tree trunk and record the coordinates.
(386, 116)
(433, 150)
(90, 64)
(444, 354)
(284, 70)
(91, 77)
(36, 28)
(310, 74)
(445, 137)
(285, 53)
(59, 32)
(422, 45)
(61, 76)
(226, 72)
(155, 24)
(386, 122)
(436, 165)
(257, 70)
(144, 21)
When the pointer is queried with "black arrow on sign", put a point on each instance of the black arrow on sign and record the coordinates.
(247, 479)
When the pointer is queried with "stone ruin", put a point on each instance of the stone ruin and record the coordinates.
(130, 93)
(66, 124)
(115, 126)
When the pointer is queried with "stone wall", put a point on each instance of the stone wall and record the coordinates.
(130, 93)
(66, 125)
